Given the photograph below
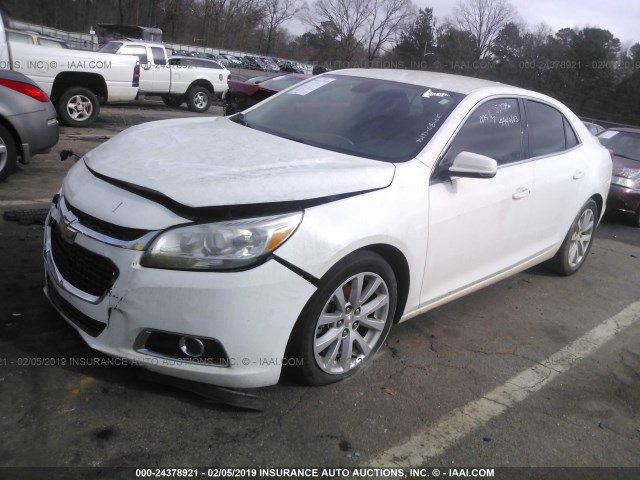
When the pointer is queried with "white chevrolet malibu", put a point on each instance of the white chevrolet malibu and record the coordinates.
(297, 232)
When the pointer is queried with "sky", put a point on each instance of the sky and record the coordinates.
(620, 17)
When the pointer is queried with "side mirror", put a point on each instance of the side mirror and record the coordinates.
(473, 165)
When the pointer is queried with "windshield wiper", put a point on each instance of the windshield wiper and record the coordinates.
(239, 118)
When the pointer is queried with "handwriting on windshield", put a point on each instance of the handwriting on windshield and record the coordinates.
(430, 126)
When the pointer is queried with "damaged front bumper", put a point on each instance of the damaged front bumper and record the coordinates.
(223, 328)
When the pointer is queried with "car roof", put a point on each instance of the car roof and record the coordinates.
(444, 81)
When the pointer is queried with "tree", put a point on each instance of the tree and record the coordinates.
(483, 19)
(419, 39)
(455, 50)
(276, 13)
(348, 18)
(386, 19)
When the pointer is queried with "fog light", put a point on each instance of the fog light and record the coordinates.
(192, 347)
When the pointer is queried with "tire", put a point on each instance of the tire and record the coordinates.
(78, 107)
(577, 244)
(173, 101)
(198, 99)
(635, 221)
(8, 153)
(325, 331)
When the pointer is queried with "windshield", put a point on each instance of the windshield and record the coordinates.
(281, 82)
(370, 118)
(623, 144)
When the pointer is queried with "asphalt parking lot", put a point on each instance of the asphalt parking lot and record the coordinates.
(444, 391)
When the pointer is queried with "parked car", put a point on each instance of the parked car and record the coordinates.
(28, 123)
(299, 231)
(233, 60)
(244, 94)
(594, 128)
(624, 196)
(272, 65)
(33, 38)
(291, 67)
(195, 85)
(76, 81)
(318, 69)
(254, 63)
(181, 53)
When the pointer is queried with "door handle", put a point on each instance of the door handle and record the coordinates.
(520, 193)
(578, 174)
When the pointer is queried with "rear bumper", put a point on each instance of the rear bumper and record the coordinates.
(38, 131)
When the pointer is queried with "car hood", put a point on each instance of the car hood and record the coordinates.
(626, 167)
(204, 162)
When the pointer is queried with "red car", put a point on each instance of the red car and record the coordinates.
(624, 195)
(245, 94)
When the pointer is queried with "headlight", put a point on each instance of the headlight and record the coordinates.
(623, 181)
(220, 246)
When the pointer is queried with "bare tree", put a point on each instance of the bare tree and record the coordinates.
(348, 17)
(386, 20)
(276, 12)
(483, 19)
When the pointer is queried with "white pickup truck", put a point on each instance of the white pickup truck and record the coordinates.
(176, 82)
(77, 81)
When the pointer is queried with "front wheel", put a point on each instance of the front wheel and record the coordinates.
(346, 321)
(78, 107)
(198, 99)
(577, 243)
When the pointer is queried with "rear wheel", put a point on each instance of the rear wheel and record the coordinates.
(8, 153)
(78, 107)
(346, 321)
(577, 243)
(198, 99)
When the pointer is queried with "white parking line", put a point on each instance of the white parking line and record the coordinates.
(462, 421)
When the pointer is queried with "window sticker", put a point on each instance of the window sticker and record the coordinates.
(311, 86)
(430, 93)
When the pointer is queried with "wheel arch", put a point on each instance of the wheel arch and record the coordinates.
(599, 203)
(201, 82)
(14, 133)
(92, 81)
(398, 263)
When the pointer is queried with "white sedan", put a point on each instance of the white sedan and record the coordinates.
(293, 235)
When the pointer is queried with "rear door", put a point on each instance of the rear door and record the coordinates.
(560, 169)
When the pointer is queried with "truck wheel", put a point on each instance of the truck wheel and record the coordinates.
(173, 101)
(78, 107)
(8, 153)
(198, 99)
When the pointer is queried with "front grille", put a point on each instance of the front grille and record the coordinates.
(83, 322)
(105, 228)
(85, 270)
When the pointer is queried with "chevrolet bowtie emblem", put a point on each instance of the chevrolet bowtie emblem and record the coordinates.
(67, 234)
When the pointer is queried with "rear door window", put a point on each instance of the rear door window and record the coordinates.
(546, 129)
